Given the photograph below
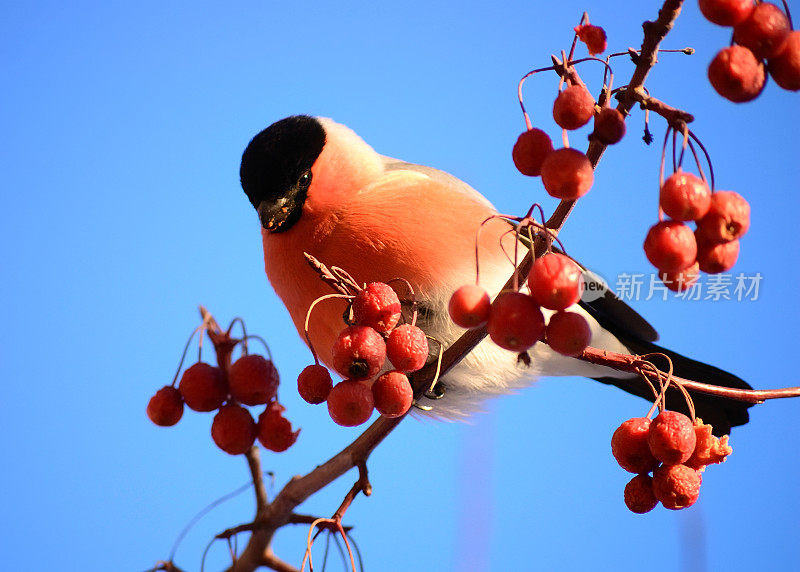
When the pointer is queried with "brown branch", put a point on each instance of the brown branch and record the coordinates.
(633, 364)
(677, 118)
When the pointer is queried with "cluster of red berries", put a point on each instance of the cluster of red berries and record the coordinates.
(674, 450)
(359, 355)
(567, 173)
(515, 320)
(250, 380)
(679, 254)
(760, 32)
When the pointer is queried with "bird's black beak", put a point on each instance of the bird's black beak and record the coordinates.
(279, 215)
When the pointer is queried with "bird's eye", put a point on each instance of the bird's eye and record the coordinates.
(305, 180)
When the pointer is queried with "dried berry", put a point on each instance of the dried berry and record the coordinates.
(555, 281)
(609, 126)
(639, 497)
(203, 387)
(516, 322)
(407, 348)
(737, 74)
(671, 437)
(314, 383)
(726, 12)
(567, 174)
(377, 306)
(727, 219)
(392, 394)
(350, 403)
(764, 32)
(470, 306)
(530, 150)
(676, 486)
(716, 258)
(253, 380)
(670, 246)
(233, 429)
(785, 66)
(574, 107)
(593, 36)
(629, 446)
(165, 408)
(274, 430)
(709, 449)
(358, 352)
(568, 333)
(684, 196)
(681, 280)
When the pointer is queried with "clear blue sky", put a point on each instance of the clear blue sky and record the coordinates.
(122, 129)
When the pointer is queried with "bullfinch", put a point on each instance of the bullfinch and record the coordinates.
(319, 188)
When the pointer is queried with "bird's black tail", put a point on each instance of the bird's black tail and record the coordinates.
(720, 412)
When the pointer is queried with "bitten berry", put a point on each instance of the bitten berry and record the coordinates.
(727, 219)
(274, 430)
(726, 12)
(685, 196)
(670, 246)
(671, 437)
(377, 306)
(407, 348)
(253, 380)
(530, 150)
(676, 486)
(709, 449)
(233, 429)
(470, 306)
(716, 258)
(314, 383)
(629, 446)
(681, 280)
(203, 387)
(516, 322)
(350, 403)
(392, 394)
(568, 333)
(358, 352)
(165, 408)
(736, 74)
(785, 66)
(574, 107)
(594, 37)
(555, 281)
(764, 31)
(639, 497)
(567, 174)
(609, 126)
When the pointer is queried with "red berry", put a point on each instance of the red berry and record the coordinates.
(203, 387)
(529, 151)
(233, 429)
(717, 258)
(764, 32)
(555, 281)
(274, 430)
(709, 449)
(350, 403)
(629, 446)
(407, 348)
(671, 437)
(685, 196)
(726, 12)
(567, 174)
(609, 126)
(165, 408)
(358, 352)
(639, 497)
(470, 306)
(253, 380)
(574, 107)
(392, 394)
(670, 246)
(593, 36)
(568, 333)
(736, 74)
(377, 306)
(314, 383)
(727, 219)
(785, 66)
(682, 279)
(516, 322)
(676, 486)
